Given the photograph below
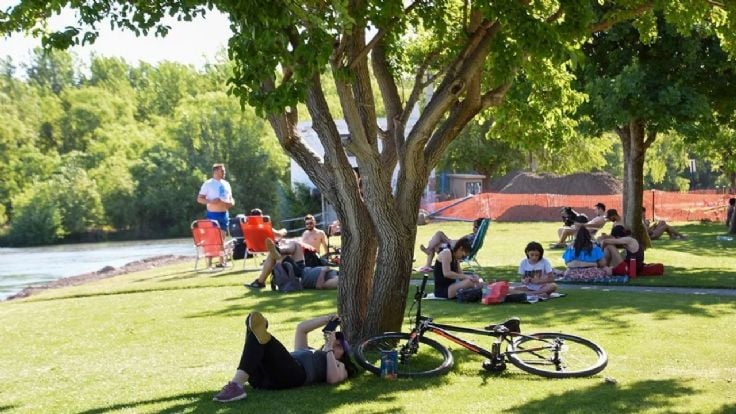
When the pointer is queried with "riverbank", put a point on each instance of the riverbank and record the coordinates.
(104, 273)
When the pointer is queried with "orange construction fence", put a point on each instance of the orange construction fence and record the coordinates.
(672, 206)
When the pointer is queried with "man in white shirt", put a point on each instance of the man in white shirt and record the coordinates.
(216, 194)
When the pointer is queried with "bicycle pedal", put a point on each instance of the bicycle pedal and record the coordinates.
(494, 366)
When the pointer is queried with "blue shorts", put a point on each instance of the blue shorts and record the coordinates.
(222, 218)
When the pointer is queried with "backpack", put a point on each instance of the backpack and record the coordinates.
(284, 279)
(496, 293)
(311, 259)
(469, 295)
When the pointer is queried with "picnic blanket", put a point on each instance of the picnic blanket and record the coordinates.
(605, 280)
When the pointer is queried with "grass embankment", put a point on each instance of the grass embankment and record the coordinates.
(167, 339)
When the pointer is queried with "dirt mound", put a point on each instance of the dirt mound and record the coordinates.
(580, 183)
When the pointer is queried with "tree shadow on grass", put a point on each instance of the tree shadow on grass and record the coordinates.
(610, 311)
(607, 398)
(305, 302)
(4, 408)
(364, 388)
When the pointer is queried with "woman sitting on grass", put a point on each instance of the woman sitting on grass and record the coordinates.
(439, 241)
(448, 278)
(265, 363)
(536, 273)
(584, 259)
(621, 238)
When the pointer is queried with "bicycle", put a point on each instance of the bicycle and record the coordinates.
(551, 355)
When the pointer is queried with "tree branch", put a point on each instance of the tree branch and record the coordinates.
(381, 33)
(621, 16)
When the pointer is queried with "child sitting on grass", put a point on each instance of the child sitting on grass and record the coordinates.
(536, 273)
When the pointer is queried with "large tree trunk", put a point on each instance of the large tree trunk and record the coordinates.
(635, 143)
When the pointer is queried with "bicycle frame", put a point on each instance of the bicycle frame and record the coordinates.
(423, 324)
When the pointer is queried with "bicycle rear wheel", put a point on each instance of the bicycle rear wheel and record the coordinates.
(429, 359)
(557, 355)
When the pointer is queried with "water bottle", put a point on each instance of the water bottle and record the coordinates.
(724, 238)
(632, 268)
(389, 360)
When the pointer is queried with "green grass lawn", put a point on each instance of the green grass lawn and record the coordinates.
(166, 340)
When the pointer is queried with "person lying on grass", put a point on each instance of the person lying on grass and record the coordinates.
(536, 273)
(266, 364)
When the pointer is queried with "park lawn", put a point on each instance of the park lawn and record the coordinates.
(700, 261)
(166, 340)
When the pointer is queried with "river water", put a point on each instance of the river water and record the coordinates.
(22, 267)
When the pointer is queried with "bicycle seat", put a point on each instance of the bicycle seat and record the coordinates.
(510, 325)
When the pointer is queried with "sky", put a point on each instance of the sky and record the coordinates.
(195, 42)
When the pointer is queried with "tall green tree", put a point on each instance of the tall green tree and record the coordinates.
(212, 127)
(470, 52)
(648, 77)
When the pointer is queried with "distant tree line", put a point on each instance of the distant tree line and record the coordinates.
(116, 148)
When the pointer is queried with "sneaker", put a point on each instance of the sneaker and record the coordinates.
(230, 392)
(255, 285)
(258, 325)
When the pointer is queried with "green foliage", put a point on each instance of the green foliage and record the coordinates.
(66, 204)
(166, 193)
(213, 128)
(52, 70)
(37, 218)
(299, 201)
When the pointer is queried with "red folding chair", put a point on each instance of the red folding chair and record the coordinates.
(256, 229)
(209, 243)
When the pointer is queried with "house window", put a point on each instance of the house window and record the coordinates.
(472, 188)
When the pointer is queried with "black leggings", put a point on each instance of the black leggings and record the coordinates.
(270, 365)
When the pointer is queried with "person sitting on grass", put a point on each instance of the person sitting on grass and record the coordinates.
(584, 259)
(266, 364)
(593, 225)
(448, 278)
(658, 227)
(287, 247)
(536, 273)
(439, 241)
(620, 237)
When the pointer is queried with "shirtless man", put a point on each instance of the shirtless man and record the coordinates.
(314, 236)
(593, 225)
(311, 238)
(658, 227)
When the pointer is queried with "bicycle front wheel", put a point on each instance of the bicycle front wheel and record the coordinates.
(557, 355)
(417, 357)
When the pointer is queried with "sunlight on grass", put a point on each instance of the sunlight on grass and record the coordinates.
(166, 340)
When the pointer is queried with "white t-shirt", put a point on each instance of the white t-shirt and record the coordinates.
(542, 267)
(212, 189)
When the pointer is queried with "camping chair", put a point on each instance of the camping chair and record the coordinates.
(480, 235)
(209, 242)
(256, 229)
